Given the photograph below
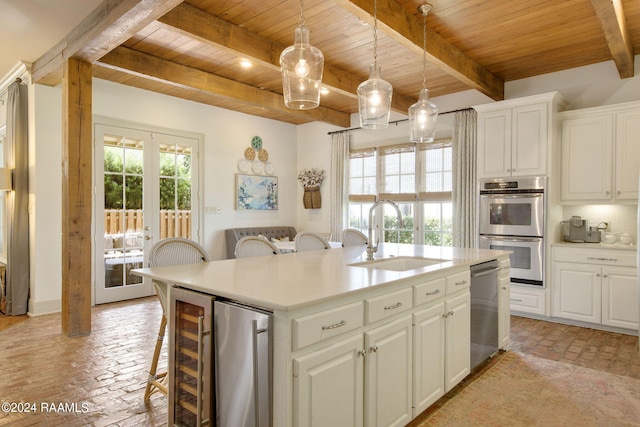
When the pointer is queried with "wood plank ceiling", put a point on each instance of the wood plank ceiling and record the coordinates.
(192, 49)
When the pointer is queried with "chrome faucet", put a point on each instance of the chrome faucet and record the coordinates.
(371, 248)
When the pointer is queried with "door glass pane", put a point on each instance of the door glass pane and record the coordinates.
(123, 219)
(175, 191)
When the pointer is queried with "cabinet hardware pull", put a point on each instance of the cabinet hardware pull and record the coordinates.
(602, 259)
(394, 306)
(373, 349)
(464, 282)
(362, 353)
(436, 292)
(504, 288)
(605, 275)
(597, 274)
(335, 325)
(199, 391)
(516, 300)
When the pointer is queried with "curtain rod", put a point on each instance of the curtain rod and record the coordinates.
(395, 122)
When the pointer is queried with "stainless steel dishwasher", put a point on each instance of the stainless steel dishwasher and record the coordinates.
(484, 311)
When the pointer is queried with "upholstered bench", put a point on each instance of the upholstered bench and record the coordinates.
(277, 232)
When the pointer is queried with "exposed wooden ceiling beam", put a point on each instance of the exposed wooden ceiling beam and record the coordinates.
(109, 25)
(211, 29)
(611, 16)
(406, 29)
(149, 66)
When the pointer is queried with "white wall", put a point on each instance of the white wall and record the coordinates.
(226, 135)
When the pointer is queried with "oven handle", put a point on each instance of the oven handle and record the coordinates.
(512, 239)
(509, 196)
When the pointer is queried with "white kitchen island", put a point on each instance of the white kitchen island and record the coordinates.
(356, 345)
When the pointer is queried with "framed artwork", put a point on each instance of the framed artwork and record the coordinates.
(256, 192)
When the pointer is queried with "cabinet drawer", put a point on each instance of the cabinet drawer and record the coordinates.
(458, 281)
(316, 327)
(387, 305)
(429, 291)
(528, 302)
(594, 256)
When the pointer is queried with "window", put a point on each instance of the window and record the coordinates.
(417, 177)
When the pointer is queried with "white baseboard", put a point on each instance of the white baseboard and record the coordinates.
(38, 308)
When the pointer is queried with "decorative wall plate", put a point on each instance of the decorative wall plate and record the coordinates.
(256, 143)
(244, 166)
(257, 167)
(263, 155)
(249, 153)
(268, 168)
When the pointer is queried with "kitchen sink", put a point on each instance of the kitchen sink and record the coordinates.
(399, 263)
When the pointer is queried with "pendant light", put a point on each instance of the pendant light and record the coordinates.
(301, 66)
(423, 115)
(374, 95)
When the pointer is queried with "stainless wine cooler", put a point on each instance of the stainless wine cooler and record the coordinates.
(220, 362)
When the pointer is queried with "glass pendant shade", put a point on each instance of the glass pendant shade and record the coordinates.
(301, 66)
(374, 100)
(423, 116)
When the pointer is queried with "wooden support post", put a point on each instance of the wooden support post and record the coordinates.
(77, 173)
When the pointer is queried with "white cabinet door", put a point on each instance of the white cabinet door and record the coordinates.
(587, 147)
(428, 355)
(328, 386)
(627, 154)
(529, 140)
(494, 144)
(620, 298)
(577, 291)
(388, 374)
(457, 339)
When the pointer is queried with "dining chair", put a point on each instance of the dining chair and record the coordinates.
(170, 251)
(310, 241)
(353, 237)
(250, 246)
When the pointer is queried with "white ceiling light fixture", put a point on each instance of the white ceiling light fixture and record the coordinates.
(374, 95)
(423, 115)
(301, 66)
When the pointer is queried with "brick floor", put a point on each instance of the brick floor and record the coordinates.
(101, 377)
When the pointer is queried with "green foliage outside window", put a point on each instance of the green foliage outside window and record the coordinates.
(433, 236)
(171, 173)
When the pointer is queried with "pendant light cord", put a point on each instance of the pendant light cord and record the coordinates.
(301, 23)
(375, 33)
(424, 51)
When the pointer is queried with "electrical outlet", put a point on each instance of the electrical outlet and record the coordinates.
(212, 210)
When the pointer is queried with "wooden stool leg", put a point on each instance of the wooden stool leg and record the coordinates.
(154, 382)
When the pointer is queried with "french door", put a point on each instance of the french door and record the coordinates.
(146, 189)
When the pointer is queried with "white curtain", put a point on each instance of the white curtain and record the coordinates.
(465, 187)
(17, 159)
(339, 182)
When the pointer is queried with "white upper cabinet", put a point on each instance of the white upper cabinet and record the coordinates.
(601, 154)
(514, 136)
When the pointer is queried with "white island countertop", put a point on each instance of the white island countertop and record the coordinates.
(291, 281)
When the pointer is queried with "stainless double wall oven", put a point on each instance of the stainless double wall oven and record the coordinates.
(512, 219)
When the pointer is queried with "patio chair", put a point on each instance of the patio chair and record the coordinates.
(170, 251)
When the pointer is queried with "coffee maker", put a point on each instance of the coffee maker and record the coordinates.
(575, 230)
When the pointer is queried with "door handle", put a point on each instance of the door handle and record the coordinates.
(148, 237)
